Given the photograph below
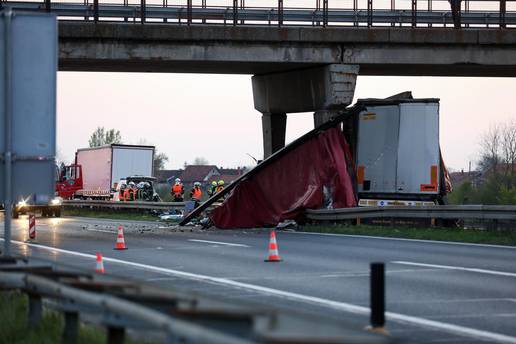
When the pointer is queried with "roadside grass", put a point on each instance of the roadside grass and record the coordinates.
(14, 328)
(476, 236)
(115, 215)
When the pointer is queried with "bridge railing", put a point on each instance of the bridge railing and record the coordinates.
(320, 13)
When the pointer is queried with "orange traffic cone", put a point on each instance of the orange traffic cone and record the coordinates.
(100, 264)
(273, 249)
(120, 243)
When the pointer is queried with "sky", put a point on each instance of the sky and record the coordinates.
(212, 116)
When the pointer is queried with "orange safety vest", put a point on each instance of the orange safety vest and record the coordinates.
(196, 194)
(177, 189)
(220, 188)
(129, 194)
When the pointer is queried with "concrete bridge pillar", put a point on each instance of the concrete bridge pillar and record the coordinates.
(323, 116)
(324, 89)
(274, 127)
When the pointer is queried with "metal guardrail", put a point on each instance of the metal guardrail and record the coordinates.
(477, 212)
(122, 205)
(421, 13)
(119, 305)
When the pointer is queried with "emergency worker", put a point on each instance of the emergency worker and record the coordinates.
(130, 192)
(220, 186)
(178, 191)
(213, 188)
(196, 194)
(121, 193)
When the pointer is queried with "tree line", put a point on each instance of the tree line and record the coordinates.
(495, 180)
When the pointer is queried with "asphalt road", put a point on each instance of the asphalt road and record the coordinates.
(436, 292)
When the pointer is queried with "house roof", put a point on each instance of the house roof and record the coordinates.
(164, 175)
(197, 173)
(227, 178)
(232, 171)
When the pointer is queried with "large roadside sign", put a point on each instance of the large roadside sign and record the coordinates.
(28, 66)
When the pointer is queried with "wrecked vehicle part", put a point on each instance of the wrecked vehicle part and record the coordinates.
(273, 159)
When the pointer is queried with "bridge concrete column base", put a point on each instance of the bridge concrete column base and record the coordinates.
(326, 90)
(323, 116)
(274, 127)
(329, 87)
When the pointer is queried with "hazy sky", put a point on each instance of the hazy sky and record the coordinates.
(212, 116)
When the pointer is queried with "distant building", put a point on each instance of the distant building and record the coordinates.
(198, 173)
(168, 176)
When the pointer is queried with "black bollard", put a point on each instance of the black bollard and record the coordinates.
(377, 295)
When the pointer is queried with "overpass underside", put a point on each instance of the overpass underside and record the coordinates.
(126, 47)
(296, 69)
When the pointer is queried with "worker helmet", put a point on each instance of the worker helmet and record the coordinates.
(197, 184)
(131, 183)
(178, 180)
(214, 183)
(221, 182)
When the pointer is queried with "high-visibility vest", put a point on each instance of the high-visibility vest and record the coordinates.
(177, 189)
(128, 194)
(220, 188)
(196, 193)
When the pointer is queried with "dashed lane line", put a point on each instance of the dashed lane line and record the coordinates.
(218, 243)
(459, 268)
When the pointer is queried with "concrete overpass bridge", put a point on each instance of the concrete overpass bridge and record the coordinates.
(302, 59)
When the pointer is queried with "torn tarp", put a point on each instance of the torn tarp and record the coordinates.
(311, 174)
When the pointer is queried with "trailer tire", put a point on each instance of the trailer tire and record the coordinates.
(57, 213)
(15, 214)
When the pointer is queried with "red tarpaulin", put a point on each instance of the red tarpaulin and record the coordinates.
(283, 189)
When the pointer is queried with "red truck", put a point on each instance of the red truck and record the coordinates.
(97, 171)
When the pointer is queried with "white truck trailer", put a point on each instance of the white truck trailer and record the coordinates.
(103, 167)
(397, 154)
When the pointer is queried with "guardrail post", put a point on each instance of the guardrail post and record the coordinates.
(377, 295)
(502, 13)
(235, 12)
(369, 13)
(280, 12)
(116, 335)
(35, 310)
(71, 327)
(95, 10)
(325, 13)
(414, 13)
(242, 7)
(355, 15)
(203, 6)
(142, 11)
(189, 12)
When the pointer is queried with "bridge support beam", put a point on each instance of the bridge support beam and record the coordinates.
(323, 116)
(274, 129)
(324, 89)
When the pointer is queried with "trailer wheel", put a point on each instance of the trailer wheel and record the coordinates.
(57, 213)
(44, 213)
(16, 214)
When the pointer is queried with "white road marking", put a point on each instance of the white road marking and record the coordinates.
(218, 243)
(100, 230)
(366, 273)
(336, 305)
(403, 239)
(460, 268)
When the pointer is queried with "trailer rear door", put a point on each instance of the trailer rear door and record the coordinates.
(418, 149)
(377, 149)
